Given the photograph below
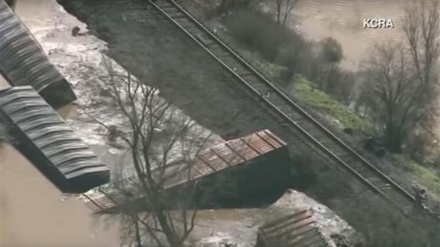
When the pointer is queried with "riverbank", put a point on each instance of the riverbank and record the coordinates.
(79, 60)
(343, 21)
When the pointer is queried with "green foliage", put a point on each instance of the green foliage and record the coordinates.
(327, 105)
(331, 50)
(274, 71)
(260, 33)
(257, 32)
(427, 177)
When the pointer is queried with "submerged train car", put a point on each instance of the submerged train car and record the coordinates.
(42, 136)
(23, 61)
(11, 3)
(293, 230)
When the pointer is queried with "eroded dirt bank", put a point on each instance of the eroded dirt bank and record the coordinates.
(159, 53)
(154, 50)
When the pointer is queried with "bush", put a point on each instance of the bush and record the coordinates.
(277, 44)
(260, 33)
(331, 51)
(296, 59)
(325, 104)
(333, 80)
(427, 177)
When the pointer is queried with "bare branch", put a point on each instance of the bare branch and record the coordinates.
(403, 78)
(162, 143)
(284, 9)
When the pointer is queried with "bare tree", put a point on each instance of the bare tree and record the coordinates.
(402, 79)
(284, 9)
(162, 144)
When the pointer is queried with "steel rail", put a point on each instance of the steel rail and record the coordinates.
(367, 183)
(333, 151)
(291, 102)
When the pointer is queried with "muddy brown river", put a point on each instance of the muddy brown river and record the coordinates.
(343, 20)
(316, 19)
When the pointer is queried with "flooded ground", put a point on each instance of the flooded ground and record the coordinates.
(79, 60)
(32, 210)
(33, 213)
(319, 18)
(343, 20)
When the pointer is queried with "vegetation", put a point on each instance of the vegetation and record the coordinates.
(163, 144)
(278, 45)
(401, 84)
(284, 10)
(427, 177)
(331, 51)
(260, 33)
(322, 102)
(312, 72)
(385, 228)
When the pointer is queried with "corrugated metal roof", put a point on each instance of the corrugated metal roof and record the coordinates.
(295, 230)
(231, 153)
(47, 135)
(23, 61)
(211, 160)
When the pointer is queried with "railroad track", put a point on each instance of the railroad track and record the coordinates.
(313, 131)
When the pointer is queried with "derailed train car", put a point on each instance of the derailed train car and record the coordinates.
(294, 230)
(23, 61)
(238, 173)
(49, 143)
(11, 3)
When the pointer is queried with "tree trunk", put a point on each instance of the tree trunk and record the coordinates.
(393, 140)
(170, 234)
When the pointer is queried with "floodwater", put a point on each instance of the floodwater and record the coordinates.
(30, 207)
(343, 20)
(32, 211)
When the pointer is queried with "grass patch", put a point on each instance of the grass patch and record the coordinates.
(273, 70)
(325, 104)
(427, 177)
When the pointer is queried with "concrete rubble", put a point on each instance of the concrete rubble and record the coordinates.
(243, 234)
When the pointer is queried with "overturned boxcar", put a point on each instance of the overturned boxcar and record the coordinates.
(23, 61)
(243, 172)
(294, 230)
(41, 135)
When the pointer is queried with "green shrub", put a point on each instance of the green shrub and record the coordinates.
(325, 104)
(260, 33)
(427, 177)
(331, 50)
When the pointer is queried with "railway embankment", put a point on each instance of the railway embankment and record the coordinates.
(152, 48)
(79, 60)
